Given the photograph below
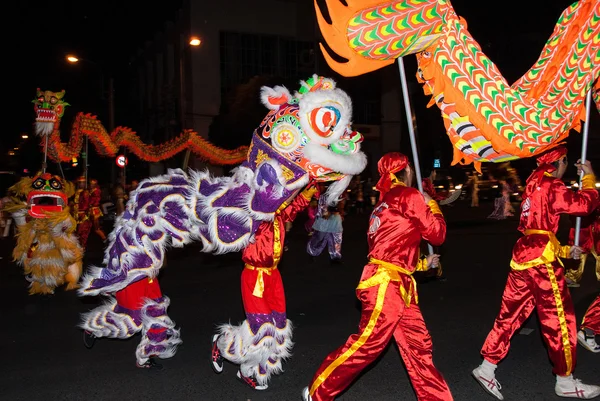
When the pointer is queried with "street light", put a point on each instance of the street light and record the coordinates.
(73, 59)
(24, 136)
(194, 41)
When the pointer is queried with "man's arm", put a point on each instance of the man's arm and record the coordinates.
(581, 202)
(427, 216)
(299, 203)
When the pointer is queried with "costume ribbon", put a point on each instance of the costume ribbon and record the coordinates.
(387, 272)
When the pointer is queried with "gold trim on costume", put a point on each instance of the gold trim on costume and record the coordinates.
(361, 340)
(276, 242)
(588, 181)
(387, 272)
(552, 250)
(433, 206)
(562, 320)
(259, 286)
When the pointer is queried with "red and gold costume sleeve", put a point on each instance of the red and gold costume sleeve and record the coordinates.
(269, 238)
(398, 224)
(540, 215)
(299, 203)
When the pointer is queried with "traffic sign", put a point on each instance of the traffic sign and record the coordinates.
(121, 161)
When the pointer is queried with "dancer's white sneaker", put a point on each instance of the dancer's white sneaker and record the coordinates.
(587, 341)
(306, 395)
(574, 388)
(489, 383)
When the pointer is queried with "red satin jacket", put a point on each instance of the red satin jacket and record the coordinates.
(95, 197)
(269, 238)
(399, 222)
(541, 209)
(82, 200)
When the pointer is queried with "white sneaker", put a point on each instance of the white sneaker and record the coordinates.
(306, 395)
(588, 342)
(574, 388)
(489, 383)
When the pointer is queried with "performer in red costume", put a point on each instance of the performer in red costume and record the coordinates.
(264, 339)
(590, 327)
(81, 205)
(429, 188)
(95, 212)
(589, 241)
(388, 292)
(537, 279)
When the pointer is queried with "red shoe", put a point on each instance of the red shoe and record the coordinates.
(251, 382)
(216, 357)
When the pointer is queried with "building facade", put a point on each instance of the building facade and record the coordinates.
(179, 86)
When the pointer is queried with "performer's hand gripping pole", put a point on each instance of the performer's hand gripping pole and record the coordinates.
(412, 122)
(584, 143)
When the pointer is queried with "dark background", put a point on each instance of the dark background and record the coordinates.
(511, 33)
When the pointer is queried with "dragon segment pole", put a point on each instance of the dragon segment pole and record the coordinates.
(584, 143)
(44, 165)
(411, 119)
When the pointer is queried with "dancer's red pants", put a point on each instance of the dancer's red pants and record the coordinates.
(592, 317)
(544, 289)
(384, 315)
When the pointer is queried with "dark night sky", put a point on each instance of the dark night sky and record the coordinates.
(511, 32)
(106, 32)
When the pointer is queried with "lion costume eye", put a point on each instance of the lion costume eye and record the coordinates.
(324, 119)
(55, 184)
(39, 183)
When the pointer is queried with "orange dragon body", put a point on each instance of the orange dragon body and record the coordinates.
(50, 107)
(487, 120)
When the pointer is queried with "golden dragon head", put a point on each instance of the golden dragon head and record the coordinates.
(49, 109)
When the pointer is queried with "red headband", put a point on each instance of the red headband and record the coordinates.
(389, 164)
(552, 155)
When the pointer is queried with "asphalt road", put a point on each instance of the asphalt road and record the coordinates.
(44, 358)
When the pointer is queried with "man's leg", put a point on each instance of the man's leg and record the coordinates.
(253, 342)
(316, 244)
(334, 245)
(590, 327)
(559, 329)
(378, 321)
(83, 232)
(160, 338)
(414, 343)
(517, 304)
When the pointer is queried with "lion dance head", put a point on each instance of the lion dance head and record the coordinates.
(311, 130)
(45, 194)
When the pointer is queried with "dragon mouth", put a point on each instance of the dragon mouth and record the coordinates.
(45, 116)
(41, 203)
